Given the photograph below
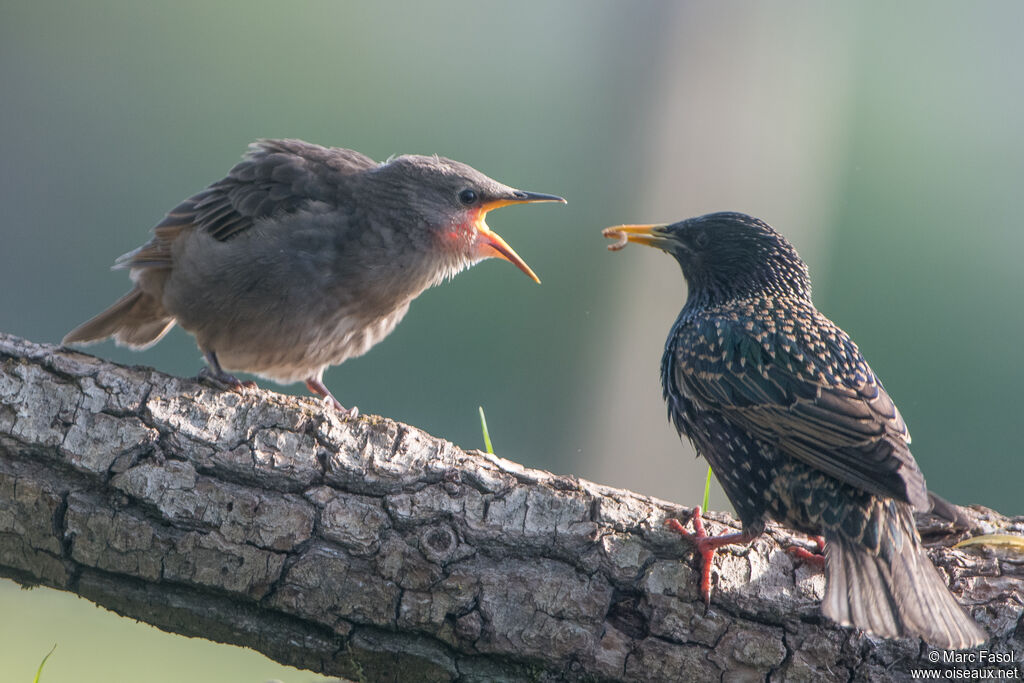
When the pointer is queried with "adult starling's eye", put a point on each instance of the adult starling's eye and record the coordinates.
(468, 197)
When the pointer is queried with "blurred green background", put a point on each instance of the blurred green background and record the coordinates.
(884, 139)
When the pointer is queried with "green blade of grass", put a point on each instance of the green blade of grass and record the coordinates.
(707, 490)
(487, 436)
(39, 671)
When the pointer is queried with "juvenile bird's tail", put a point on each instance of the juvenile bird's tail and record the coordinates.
(891, 588)
(136, 320)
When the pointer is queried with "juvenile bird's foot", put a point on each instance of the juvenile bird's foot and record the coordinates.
(706, 546)
(225, 381)
(214, 374)
(815, 559)
(317, 387)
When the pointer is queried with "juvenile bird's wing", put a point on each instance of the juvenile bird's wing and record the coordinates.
(805, 388)
(274, 177)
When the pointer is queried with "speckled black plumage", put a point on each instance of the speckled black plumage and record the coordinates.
(797, 428)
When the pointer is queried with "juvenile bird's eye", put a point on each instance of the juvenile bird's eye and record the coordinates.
(468, 197)
(702, 239)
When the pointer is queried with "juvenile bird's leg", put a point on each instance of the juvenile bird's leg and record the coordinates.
(215, 374)
(706, 546)
(316, 386)
(815, 559)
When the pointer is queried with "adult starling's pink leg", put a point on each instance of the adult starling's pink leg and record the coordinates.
(316, 386)
(804, 555)
(215, 374)
(706, 546)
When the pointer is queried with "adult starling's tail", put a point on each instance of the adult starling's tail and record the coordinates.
(136, 320)
(892, 589)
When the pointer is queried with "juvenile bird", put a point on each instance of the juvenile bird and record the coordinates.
(796, 426)
(304, 256)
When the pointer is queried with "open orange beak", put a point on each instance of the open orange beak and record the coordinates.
(648, 235)
(490, 243)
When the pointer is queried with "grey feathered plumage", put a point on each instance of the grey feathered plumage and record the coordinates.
(302, 257)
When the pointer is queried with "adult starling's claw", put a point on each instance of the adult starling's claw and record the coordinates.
(814, 559)
(705, 546)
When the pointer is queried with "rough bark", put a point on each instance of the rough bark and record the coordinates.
(371, 550)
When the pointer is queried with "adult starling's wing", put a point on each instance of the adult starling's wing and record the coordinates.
(811, 393)
(274, 177)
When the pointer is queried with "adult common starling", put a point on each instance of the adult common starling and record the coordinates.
(796, 426)
(305, 256)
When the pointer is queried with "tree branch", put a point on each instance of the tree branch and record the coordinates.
(372, 550)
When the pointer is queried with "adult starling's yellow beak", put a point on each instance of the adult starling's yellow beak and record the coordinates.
(490, 243)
